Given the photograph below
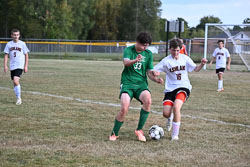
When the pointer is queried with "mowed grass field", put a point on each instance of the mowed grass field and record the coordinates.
(69, 107)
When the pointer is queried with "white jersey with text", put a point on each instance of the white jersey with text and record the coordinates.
(16, 52)
(176, 71)
(221, 57)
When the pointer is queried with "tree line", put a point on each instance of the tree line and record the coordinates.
(90, 19)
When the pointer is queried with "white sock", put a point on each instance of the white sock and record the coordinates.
(171, 116)
(176, 128)
(17, 90)
(220, 84)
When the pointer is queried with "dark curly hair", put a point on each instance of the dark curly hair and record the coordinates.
(144, 37)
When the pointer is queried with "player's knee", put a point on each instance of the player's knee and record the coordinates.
(124, 111)
(16, 81)
(166, 114)
(147, 103)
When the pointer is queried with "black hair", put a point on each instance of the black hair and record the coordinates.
(144, 37)
(174, 43)
(220, 41)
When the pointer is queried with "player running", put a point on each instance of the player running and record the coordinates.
(222, 57)
(138, 61)
(18, 53)
(177, 84)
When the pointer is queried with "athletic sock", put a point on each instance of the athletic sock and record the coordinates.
(143, 119)
(171, 116)
(176, 128)
(117, 127)
(17, 90)
(220, 84)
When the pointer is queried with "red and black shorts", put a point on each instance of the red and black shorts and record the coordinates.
(180, 93)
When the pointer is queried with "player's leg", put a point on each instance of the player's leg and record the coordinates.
(125, 102)
(220, 79)
(179, 101)
(145, 98)
(15, 76)
(167, 113)
(167, 108)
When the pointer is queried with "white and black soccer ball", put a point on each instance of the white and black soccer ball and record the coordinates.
(156, 132)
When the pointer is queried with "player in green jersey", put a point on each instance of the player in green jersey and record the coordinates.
(138, 64)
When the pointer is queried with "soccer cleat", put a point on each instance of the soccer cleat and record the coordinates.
(169, 124)
(19, 101)
(113, 137)
(140, 135)
(174, 138)
(220, 90)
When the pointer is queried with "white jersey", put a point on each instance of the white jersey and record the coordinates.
(16, 52)
(221, 57)
(176, 71)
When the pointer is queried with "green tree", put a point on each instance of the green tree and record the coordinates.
(106, 16)
(207, 19)
(139, 15)
(82, 12)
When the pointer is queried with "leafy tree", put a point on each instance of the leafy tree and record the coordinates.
(139, 15)
(207, 19)
(82, 12)
(107, 13)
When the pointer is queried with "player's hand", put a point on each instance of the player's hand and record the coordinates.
(203, 61)
(138, 58)
(228, 67)
(160, 81)
(5, 69)
(156, 73)
(25, 69)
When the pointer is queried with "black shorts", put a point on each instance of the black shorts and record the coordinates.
(16, 73)
(220, 70)
(170, 96)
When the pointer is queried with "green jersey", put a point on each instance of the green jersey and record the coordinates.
(136, 75)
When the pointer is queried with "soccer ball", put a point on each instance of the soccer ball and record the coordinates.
(156, 132)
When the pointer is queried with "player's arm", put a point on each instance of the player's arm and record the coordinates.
(26, 62)
(153, 75)
(128, 62)
(228, 63)
(5, 62)
(211, 62)
(199, 67)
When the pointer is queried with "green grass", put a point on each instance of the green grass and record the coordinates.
(51, 131)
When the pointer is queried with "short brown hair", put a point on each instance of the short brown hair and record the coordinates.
(174, 43)
(14, 30)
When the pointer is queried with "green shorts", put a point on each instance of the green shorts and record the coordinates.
(133, 91)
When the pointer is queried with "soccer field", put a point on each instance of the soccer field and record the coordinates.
(69, 107)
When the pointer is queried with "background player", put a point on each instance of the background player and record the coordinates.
(18, 53)
(222, 57)
(177, 84)
(183, 48)
(138, 61)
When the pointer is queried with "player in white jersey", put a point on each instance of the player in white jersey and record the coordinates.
(177, 84)
(222, 57)
(18, 53)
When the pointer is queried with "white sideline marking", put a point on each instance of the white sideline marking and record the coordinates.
(133, 108)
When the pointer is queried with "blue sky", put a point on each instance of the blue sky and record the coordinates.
(229, 11)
